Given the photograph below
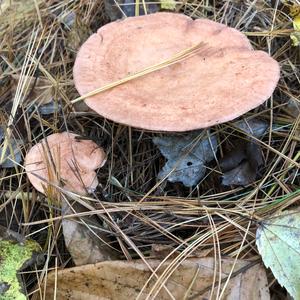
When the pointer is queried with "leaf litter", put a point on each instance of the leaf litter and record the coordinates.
(278, 242)
(240, 165)
(84, 239)
(186, 157)
(178, 220)
(192, 279)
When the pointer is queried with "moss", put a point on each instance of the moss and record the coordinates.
(13, 256)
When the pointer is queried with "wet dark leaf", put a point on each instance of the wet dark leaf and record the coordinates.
(49, 108)
(293, 107)
(254, 155)
(241, 165)
(243, 175)
(255, 127)
(186, 157)
(233, 158)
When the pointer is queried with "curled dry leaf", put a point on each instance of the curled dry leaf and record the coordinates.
(193, 278)
(85, 240)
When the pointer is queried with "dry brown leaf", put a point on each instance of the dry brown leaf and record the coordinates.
(85, 242)
(118, 280)
(39, 90)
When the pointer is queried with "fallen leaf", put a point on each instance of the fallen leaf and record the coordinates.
(168, 4)
(234, 158)
(293, 107)
(14, 255)
(49, 108)
(186, 157)
(255, 127)
(240, 166)
(193, 279)
(240, 176)
(12, 156)
(278, 242)
(39, 90)
(84, 239)
(295, 36)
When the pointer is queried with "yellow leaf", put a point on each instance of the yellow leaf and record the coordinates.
(168, 4)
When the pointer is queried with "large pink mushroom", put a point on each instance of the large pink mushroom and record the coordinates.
(223, 81)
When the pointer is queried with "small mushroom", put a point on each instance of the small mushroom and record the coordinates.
(63, 159)
(222, 81)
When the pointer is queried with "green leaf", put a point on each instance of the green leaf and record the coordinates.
(278, 242)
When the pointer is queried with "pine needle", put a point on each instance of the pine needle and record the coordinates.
(179, 57)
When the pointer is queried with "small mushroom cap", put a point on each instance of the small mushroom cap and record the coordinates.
(73, 160)
(221, 82)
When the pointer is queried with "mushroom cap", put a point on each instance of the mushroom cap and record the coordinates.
(225, 79)
(74, 161)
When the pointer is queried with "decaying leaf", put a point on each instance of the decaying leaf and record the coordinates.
(186, 156)
(78, 34)
(39, 90)
(254, 127)
(192, 279)
(14, 255)
(12, 156)
(85, 241)
(240, 166)
(293, 107)
(17, 8)
(241, 175)
(278, 242)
